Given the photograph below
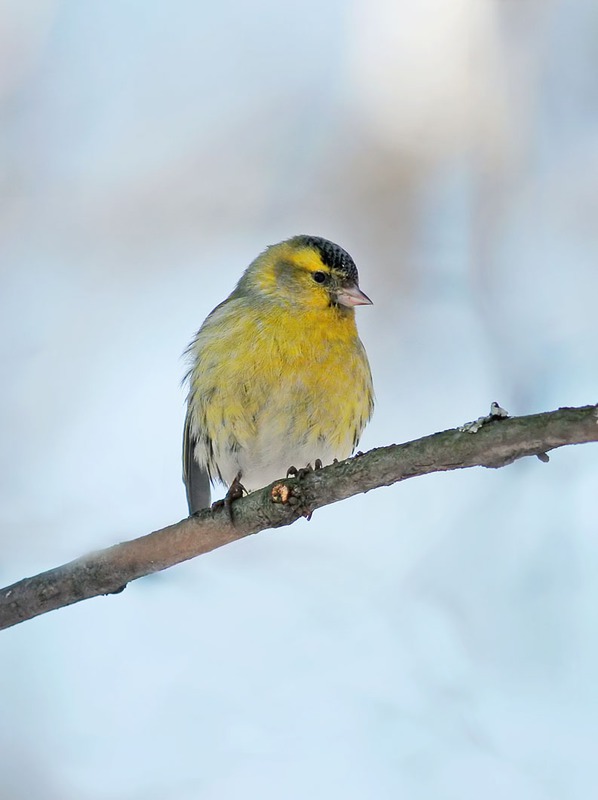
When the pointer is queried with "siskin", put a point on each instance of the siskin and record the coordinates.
(278, 373)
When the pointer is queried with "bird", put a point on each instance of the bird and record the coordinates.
(278, 373)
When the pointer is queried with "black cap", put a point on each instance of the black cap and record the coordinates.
(332, 255)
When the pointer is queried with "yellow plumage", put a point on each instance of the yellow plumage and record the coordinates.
(279, 375)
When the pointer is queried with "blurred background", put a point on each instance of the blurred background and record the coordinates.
(433, 640)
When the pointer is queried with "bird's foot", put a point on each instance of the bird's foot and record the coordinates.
(235, 491)
(293, 472)
(281, 493)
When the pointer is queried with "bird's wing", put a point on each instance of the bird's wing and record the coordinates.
(196, 478)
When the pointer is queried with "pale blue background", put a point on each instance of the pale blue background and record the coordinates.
(436, 640)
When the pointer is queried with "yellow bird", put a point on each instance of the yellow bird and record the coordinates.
(278, 373)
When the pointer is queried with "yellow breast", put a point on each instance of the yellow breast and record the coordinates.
(271, 386)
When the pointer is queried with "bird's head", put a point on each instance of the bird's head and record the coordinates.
(306, 271)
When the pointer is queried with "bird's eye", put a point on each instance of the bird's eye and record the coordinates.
(320, 277)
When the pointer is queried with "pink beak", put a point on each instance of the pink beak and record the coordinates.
(353, 296)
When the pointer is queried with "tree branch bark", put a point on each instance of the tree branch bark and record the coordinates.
(495, 444)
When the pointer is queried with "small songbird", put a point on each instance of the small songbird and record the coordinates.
(278, 373)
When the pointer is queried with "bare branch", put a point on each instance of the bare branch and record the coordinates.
(495, 444)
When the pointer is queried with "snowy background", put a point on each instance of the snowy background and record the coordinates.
(436, 640)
